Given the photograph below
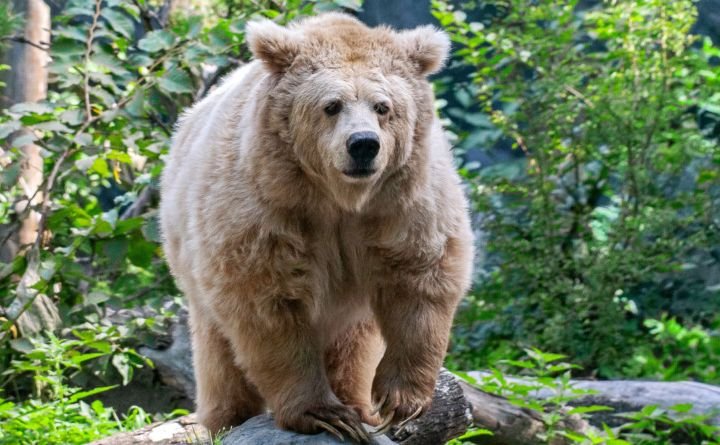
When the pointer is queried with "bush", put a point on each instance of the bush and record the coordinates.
(550, 374)
(58, 411)
(616, 190)
(676, 352)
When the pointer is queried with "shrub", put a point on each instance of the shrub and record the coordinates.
(58, 411)
(548, 373)
(616, 191)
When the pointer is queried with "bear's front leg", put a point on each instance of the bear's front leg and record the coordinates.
(277, 345)
(415, 309)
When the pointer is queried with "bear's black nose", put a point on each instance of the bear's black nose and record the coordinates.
(363, 146)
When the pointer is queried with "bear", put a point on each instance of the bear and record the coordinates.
(312, 215)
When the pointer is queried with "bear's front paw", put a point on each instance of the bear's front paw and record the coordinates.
(333, 417)
(399, 400)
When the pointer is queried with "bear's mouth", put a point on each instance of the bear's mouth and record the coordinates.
(360, 172)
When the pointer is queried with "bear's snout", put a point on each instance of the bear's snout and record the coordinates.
(363, 147)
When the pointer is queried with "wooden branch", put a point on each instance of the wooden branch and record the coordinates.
(181, 431)
(510, 424)
(142, 201)
(42, 46)
(632, 395)
(86, 59)
(455, 405)
(449, 416)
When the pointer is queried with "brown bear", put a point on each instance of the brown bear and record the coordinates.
(312, 215)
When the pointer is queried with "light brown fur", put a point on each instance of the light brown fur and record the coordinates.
(313, 293)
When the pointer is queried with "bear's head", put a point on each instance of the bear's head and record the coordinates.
(351, 103)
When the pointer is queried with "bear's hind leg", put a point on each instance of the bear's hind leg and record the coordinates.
(224, 396)
(351, 362)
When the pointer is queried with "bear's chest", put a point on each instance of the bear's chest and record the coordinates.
(341, 251)
(343, 271)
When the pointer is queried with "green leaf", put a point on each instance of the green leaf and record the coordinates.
(682, 407)
(96, 297)
(31, 107)
(77, 359)
(115, 250)
(6, 128)
(52, 126)
(141, 252)
(83, 394)
(136, 105)
(176, 81)
(120, 22)
(122, 364)
(22, 344)
(156, 41)
(711, 107)
(520, 363)
(195, 24)
(10, 175)
(100, 166)
(589, 409)
(72, 117)
(67, 47)
(83, 139)
(475, 433)
(575, 437)
(24, 138)
(151, 229)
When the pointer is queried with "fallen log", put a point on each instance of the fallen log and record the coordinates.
(181, 431)
(510, 424)
(625, 396)
(448, 417)
(456, 404)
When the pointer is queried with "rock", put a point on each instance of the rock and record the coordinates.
(174, 363)
(708, 22)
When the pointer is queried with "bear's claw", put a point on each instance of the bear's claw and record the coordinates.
(327, 427)
(341, 424)
(398, 404)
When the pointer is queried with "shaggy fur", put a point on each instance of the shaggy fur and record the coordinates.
(311, 292)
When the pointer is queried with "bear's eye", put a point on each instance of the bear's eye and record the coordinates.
(333, 108)
(381, 108)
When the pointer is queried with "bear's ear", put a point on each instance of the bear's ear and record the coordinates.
(275, 45)
(427, 47)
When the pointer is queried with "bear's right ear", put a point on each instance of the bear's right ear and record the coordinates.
(275, 45)
(426, 47)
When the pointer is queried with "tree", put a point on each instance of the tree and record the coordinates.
(29, 58)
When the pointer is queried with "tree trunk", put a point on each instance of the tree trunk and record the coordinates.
(28, 60)
(455, 403)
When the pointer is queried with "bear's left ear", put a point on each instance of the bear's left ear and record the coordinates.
(427, 47)
(277, 46)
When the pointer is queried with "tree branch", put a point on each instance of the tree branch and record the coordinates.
(43, 46)
(86, 58)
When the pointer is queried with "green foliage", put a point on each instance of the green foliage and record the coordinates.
(676, 352)
(59, 411)
(616, 192)
(9, 23)
(548, 373)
